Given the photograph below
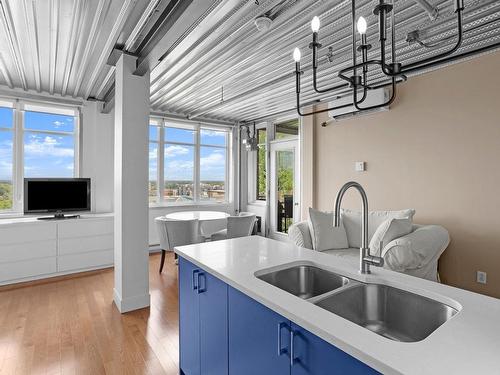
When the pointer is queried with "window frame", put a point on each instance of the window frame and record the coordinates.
(257, 195)
(19, 107)
(165, 123)
(159, 174)
(12, 130)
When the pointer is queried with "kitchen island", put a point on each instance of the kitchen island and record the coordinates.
(232, 322)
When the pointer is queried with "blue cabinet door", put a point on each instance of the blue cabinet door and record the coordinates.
(213, 325)
(258, 338)
(189, 318)
(314, 356)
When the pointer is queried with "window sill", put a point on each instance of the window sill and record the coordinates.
(257, 203)
(197, 204)
(11, 215)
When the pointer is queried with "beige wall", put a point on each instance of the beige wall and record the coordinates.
(437, 150)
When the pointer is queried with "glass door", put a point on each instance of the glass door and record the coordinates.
(284, 202)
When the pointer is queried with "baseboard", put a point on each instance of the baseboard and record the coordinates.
(154, 248)
(131, 303)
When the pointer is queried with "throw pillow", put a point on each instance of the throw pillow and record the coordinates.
(387, 231)
(324, 235)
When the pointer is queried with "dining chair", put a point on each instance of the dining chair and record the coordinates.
(174, 233)
(237, 226)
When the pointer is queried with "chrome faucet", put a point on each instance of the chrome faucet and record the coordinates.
(364, 252)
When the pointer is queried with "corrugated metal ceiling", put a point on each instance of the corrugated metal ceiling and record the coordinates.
(221, 66)
(61, 46)
(254, 70)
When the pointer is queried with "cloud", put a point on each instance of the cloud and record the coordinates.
(213, 165)
(212, 133)
(215, 159)
(5, 170)
(58, 124)
(48, 146)
(176, 150)
(179, 170)
(153, 153)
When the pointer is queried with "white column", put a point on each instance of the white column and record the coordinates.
(131, 185)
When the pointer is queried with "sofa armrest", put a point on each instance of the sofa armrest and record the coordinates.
(415, 250)
(300, 235)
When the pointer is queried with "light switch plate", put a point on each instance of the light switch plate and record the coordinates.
(360, 166)
(481, 277)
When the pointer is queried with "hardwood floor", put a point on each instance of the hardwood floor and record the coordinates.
(71, 326)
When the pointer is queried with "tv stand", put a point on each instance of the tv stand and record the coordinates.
(37, 249)
(59, 216)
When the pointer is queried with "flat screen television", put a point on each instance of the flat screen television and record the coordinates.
(57, 195)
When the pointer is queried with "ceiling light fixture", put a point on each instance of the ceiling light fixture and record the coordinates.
(251, 142)
(394, 71)
(263, 23)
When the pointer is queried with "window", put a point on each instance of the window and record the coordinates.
(6, 157)
(179, 149)
(261, 165)
(213, 146)
(47, 146)
(287, 129)
(188, 165)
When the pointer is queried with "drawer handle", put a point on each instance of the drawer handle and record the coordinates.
(201, 276)
(281, 350)
(195, 281)
(293, 360)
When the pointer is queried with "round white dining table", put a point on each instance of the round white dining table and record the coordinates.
(210, 221)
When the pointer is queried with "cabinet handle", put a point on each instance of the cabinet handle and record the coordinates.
(201, 276)
(293, 360)
(281, 350)
(194, 279)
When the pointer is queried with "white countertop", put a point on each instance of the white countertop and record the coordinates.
(469, 343)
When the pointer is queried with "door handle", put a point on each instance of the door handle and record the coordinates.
(293, 360)
(194, 280)
(201, 276)
(281, 350)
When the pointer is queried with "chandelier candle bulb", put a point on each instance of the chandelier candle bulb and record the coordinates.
(315, 24)
(297, 55)
(362, 25)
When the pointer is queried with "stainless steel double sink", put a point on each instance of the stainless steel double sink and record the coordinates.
(390, 312)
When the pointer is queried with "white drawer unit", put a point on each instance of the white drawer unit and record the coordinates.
(80, 262)
(23, 232)
(33, 249)
(28, 250)
(34, 268)
(85, 227)
(85, 244)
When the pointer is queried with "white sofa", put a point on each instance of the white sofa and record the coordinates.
(416, 254)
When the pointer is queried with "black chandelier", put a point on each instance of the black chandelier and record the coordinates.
(393, 70)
